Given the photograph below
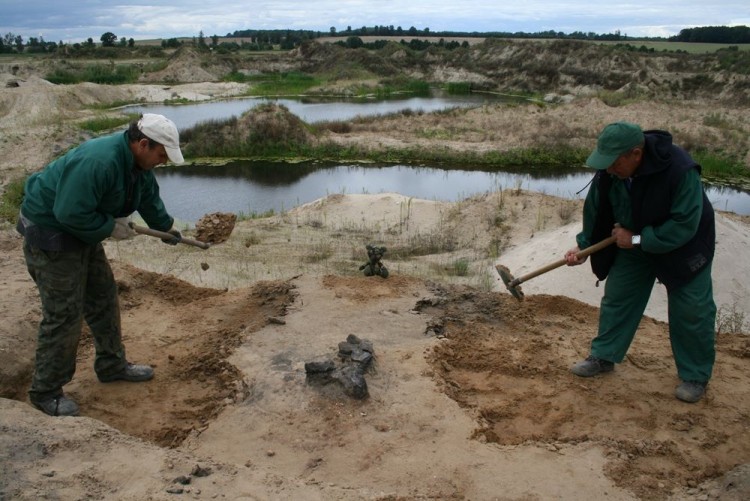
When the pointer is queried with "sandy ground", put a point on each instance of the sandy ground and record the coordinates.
(469, 397)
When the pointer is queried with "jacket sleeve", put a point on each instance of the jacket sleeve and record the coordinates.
(682, 224)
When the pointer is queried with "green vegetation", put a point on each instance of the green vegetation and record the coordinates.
(104, 123)
(720, 166)
(686, 47)
(459, 88)
(96, 73)
(10, 201)
(280, 84)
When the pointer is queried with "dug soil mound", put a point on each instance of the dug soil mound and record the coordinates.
(508, 362)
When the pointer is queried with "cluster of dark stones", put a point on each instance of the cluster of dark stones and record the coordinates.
(355, 357)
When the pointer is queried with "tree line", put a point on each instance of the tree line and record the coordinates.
(714, 34)
(286, 39)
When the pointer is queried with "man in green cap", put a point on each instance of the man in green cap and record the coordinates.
(648, 194)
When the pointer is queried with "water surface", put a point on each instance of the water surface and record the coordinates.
(248, 188)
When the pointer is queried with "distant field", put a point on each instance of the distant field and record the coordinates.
(693, 48)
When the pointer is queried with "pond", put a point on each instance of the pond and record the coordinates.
(250, 188)
(259, 187)
(311, 110)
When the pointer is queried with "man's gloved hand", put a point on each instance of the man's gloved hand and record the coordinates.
(122, 229)
(176, 239)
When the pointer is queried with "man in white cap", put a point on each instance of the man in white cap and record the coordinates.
(69, 208)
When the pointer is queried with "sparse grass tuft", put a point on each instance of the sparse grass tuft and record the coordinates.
(459, 267)
(103, 123)
(730, 320)
(319, 251)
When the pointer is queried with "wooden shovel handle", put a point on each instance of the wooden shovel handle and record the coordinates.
(581, 254)
(166, 236)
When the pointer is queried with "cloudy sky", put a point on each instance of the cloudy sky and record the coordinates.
(77, 20)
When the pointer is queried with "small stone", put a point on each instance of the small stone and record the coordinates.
(199, 471)
(270, 453)
(345, 348)
(204, 266)
(175, 490)
(182, 479)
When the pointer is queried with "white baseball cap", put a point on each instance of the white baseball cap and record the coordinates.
(162, 130)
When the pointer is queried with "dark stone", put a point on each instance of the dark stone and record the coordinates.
(352, 339)
(199, 471)
(363, 357)
(182, 479)
(345, 348)
(366, 345)
(355, 357)
(319, 366)
(353, 382)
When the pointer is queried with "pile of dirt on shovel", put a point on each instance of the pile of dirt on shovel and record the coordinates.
(215, 228)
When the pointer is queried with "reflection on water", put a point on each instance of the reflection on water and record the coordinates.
(189, 192)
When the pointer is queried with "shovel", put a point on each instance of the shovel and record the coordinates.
(167, 236)
(514, 284)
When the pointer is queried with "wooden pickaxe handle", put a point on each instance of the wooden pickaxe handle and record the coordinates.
(581, 254)
(166, 236)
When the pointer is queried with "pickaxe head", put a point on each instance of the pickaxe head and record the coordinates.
(511, 283)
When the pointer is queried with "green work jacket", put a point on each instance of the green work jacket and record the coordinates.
(82, 192)
(665, 203)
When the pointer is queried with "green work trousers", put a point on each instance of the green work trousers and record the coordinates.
(73, 285)
(692, 315)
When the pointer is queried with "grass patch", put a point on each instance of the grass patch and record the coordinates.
(537, 158)
(280, 84)
(10, 201)
(112, 105)
(459, 268)
(423, 245)
(97, 73)
(458, 88)
(718, 165)
(245, 216)
(319, 251)
(104, 123)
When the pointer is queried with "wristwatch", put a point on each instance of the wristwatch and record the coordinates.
(635, 240)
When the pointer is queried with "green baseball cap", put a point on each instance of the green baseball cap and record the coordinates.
(614, 140)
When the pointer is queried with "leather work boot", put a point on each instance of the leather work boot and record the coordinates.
(591, 367)
(132, 372)
(57, 406)
(690, 391)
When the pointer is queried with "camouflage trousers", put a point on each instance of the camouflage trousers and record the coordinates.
(73, 285)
